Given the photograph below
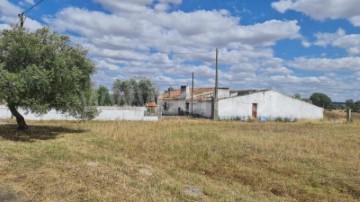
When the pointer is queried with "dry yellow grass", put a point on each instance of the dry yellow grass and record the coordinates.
(162, 161)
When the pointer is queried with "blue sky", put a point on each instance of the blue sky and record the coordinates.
(292, 46)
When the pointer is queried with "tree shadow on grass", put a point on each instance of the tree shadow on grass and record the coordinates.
(7, 194)
(8, 132)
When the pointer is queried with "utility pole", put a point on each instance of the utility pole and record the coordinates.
(22, 15)
(192, 95)
(22, 18)
(348, 115)
(216, 96)
(217, 75)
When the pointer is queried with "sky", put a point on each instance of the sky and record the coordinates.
(291, 46)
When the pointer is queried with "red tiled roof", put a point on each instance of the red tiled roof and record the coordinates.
(151, 104)
(199, 93)
(175, 95)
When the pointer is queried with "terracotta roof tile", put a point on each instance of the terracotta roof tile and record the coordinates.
(175, 95)
(199, 93)
(151, 104)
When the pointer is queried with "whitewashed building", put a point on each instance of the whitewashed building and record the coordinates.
(238, 105)
(186, 100)
(267, 105)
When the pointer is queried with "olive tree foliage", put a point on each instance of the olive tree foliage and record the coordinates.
(104, 97)
(321, 100)
(354, 106)
(43, 70)
(349, 103)
(297, 96)
(134, 92)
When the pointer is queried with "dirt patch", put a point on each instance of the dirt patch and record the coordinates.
(193, 192)
(146, 171)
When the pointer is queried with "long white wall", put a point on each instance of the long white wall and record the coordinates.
(270, 105)
(173, 107)
(203, 109)
(106, 113)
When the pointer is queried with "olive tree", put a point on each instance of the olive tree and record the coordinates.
(320, 100)
(134, 92)
(43, 70)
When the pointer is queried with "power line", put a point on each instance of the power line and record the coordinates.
(27, 10)
(22, 16)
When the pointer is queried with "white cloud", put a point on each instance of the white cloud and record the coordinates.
(173, 31)
(323, 9)
(9, 12)
(246, 55)
(340, 39)
(326, 64)
(355, 20)
(176, 31)
(131, 38)
(4, 26)
(161, 7)
(171, 1)
(125, 5)
(357, 76)
(324, 39)
(31, 2)
(305, 43)
(130, 6)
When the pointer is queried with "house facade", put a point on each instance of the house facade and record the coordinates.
(189, 101)
(240, 105)
(267, 105)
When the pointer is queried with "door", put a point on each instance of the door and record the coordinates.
(254, 111)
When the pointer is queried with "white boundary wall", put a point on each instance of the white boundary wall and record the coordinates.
(203, 109)
(106, 114)
(270, 105)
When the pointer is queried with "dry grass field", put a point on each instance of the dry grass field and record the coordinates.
(181, 160)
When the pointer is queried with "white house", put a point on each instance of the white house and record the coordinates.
(266, 105)
(240, 105)
(180, 101)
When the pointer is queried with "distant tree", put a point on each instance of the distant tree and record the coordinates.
(321, 100)
(147, 90)
(349, 103)
(356, 106)
(297, 96)
(118, 92)
(134, 92)
(104, 98)
(306, 100)
(90, 100)
(42, 70)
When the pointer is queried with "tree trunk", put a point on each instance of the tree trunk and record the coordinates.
(19, 118)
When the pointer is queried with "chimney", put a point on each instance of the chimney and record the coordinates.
(170, 93)
(185, 92)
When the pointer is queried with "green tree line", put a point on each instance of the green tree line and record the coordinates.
(354, 106)
(130, 92)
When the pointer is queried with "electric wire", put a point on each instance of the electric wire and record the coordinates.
(29, 9)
